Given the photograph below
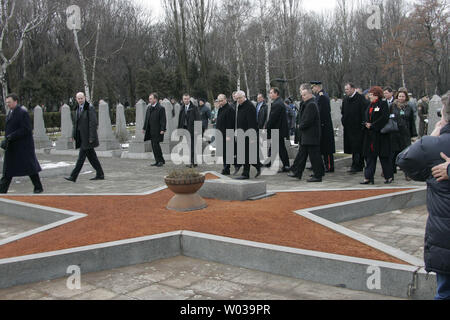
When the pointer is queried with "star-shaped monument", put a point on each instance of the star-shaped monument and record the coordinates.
(271, 221)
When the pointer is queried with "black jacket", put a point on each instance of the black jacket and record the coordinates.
(262, 115)
(20, 157)
(309, 126)
(226, 119)
(403, 114)
(85, 128)
(187, 121)
(155, 122)
(417, 162)
(246, 116)
(376, 143)
(327, 142)
(353, 115)
(278, 119)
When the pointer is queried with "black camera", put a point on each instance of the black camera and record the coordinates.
(439, 114)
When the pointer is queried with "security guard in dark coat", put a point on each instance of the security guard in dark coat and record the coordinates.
(86, 138)
(309, 138)
(189, 114)
(20, 157)
(278, 121)
(226, 119)
(155, 127)
(327, 142)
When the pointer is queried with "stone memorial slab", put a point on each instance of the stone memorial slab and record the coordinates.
(65, 141)
(41, 140)
(121, 124)
(137, 144)
(232, 190)
(105, 133)
(435, 106)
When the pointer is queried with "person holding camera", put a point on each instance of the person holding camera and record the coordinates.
(427, 160)
(20, 156)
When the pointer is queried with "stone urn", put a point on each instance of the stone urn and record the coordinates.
(185, 188)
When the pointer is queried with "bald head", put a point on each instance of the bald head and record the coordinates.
(81, 98)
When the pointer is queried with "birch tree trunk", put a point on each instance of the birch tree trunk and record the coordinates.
(83, 67)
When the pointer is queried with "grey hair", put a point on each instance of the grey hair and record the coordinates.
(240, 94)
(306, 87)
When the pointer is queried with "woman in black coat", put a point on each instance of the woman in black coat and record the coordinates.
(377, 145)
(403, 114)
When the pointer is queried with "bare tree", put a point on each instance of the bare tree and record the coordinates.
(7, 17)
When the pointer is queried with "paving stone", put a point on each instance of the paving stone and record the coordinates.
(119, 283)
(182, 280)
(97, 294)
(266, 280)
(160, 292)
(220, 289)
(58, 289)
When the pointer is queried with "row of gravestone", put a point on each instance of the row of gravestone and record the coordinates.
(108, 140)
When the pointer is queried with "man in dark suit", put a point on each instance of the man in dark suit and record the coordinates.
(189, 114)
(327, 141)
(261, 112)
(354, 109)
(246, 121)
(20, 157)
(309, 136)
(155, 127)
(226, 119)
(278, 120)
(86, 138)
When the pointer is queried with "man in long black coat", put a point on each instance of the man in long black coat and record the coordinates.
(309, 138)
(226, 120)
(86, 138)
(154, 128)
(261, 112)
(189, 114)
(20, 157)
(246, 120)
(278, 121)
(327, 142)
(354, 109)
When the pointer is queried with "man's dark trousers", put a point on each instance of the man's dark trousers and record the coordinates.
(157, 152)
(316, 161)
(93, 160)
(5, 182)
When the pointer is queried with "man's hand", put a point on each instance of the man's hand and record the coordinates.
(440, 172)
(162, 132)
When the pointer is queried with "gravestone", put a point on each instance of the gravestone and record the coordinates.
(105, 133)
(121, 124)
(435, 106)
(138, 145)
(65, 142)
(177, 108)
(167, 145)
(336, 116)
(232, 190)
(41, 140)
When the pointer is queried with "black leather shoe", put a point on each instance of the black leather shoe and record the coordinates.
(38, 191)
(97, 178)
(242, 178)
(314, 179)
(70, 179)
(389, 181)
(368, 182)
(226, 172)
(284, 170)
(258, 173)
(154, 164)
(159, 165)
(294, 175)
